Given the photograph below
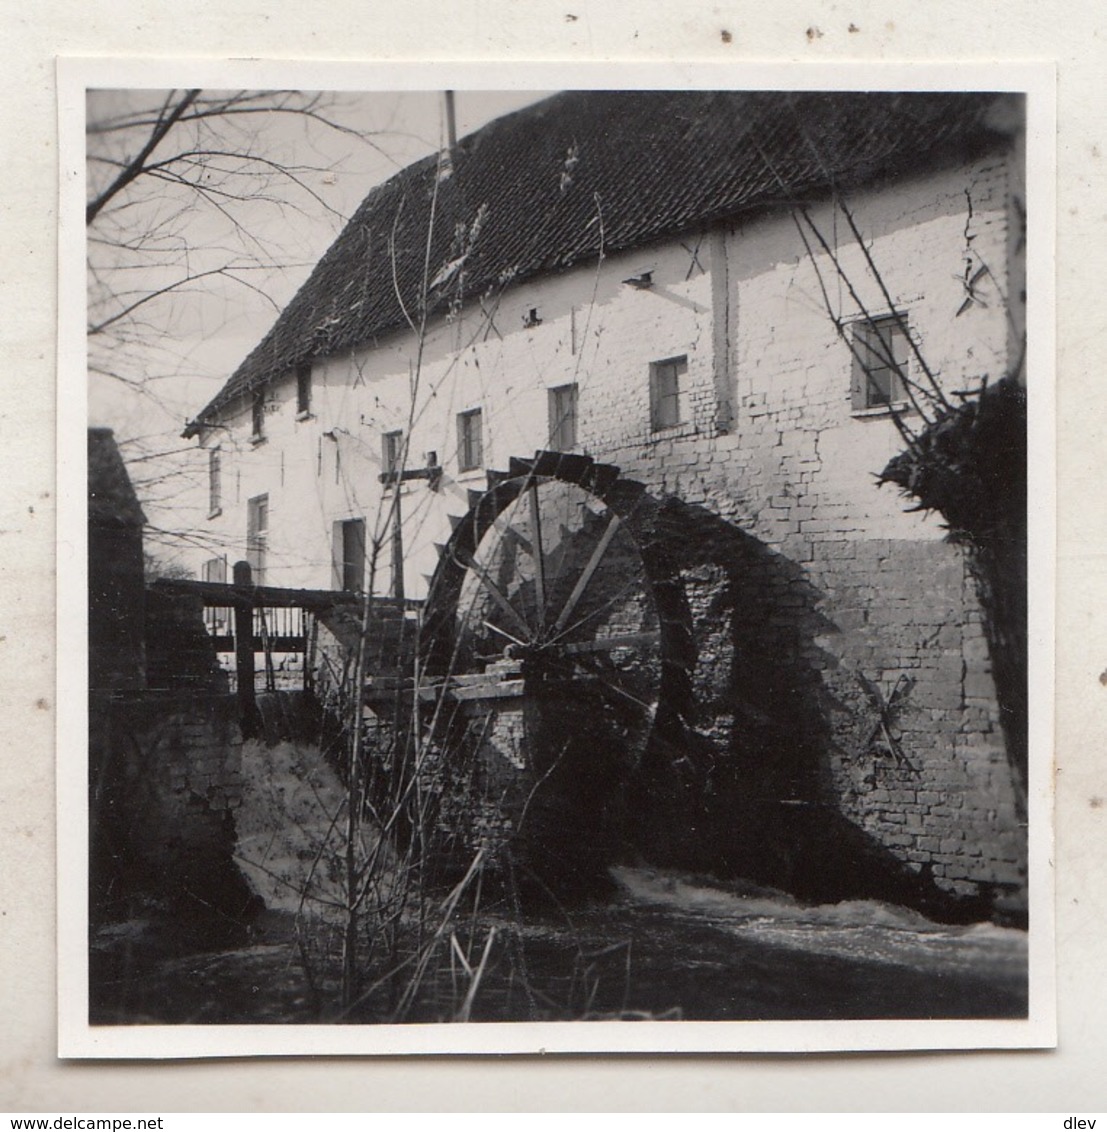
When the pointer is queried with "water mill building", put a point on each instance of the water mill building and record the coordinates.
(703, 324)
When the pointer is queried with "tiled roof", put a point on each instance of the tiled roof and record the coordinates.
(548, 186)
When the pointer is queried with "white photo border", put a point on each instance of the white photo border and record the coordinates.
(76, 1038)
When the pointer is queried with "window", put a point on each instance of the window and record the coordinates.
(257, 536)
(215, 570)
(215, 483)
(881, 350)
(349, 555)
(470, 440)
(563, 418)
(392, 452)
(303, 390)
(257, 415)
(669, 393)
(216, 617)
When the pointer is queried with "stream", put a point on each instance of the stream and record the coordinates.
(663, 945)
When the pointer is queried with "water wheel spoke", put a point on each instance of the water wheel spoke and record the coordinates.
(605, 679)
(502, 633)
(537, 555)
(599, 611)
(496, 594)
(586, 574)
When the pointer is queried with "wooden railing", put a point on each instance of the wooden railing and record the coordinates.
(249, 621)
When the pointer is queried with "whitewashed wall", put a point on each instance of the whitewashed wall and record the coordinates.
(792, 460)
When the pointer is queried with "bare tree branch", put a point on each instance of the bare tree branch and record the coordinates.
(137, 165)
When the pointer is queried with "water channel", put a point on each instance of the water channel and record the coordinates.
(663, 945)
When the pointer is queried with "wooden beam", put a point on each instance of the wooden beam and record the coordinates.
(589, 569)
(248, 715)
(432, 474)
(604, 644)
(222, 595)
(536, 556)
(225, 642)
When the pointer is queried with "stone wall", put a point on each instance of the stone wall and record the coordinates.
(189, 821)
(918, 755)
(165, 779)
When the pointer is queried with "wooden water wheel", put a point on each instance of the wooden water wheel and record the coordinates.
(546, 654)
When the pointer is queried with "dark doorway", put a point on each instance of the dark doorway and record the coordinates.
(349, 555)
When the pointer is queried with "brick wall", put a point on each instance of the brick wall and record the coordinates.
(929, 774)
(165, 779)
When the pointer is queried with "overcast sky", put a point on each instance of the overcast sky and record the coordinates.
(195, 340)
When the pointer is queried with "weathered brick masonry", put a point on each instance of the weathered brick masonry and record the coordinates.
(851, 675)
(165, 782)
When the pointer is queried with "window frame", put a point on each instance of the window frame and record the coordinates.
(470, 444)
(866, 396)
(257, 536)
(216, 565)
(215, 617)
(677, 366)
(346, 567)
(215, 482)
(559, 419)
(257, 415)
(392, 451)
(304, 373)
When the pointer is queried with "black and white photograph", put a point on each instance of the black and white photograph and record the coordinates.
(557, 556)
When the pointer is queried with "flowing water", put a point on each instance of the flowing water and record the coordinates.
(663, 945)
(670, 945)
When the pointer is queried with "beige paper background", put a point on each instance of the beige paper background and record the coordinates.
(1069, 1079)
